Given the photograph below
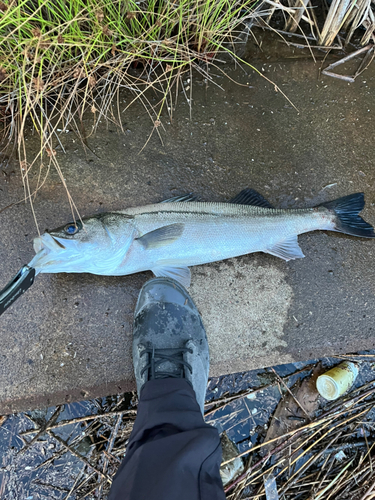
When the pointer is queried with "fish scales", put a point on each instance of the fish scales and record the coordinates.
(218, 231)
(168, 238)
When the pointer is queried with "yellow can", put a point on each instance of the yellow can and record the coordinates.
(332, 384)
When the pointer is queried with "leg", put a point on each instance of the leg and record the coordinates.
(172, 453)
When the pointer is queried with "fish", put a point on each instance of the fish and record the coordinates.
(168, 238)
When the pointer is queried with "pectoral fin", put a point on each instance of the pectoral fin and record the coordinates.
(180, 274)
(161, 237)
(287, 249)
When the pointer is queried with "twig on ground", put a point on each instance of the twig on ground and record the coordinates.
(130, 413)
(78, 455)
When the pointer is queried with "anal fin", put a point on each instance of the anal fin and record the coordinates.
(180, 274)
(287, 249)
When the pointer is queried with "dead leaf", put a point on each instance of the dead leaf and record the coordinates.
(50, 152)
(100, 16)
(91, 81)
(36, 32)
(107, 31)
(3, 74)
(288, 415)
(38, 84)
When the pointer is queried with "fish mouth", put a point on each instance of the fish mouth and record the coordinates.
(47, 249)
(48, 242)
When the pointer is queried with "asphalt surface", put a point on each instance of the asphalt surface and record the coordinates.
(69, 336)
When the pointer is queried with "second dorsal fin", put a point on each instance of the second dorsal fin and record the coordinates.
(250, 197)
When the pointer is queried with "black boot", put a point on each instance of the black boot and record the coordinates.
(169, 339)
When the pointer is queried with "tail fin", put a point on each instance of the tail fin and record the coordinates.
(348, 221)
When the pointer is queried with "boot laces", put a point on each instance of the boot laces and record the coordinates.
(157, 357)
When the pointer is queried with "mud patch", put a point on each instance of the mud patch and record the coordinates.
(242, 314)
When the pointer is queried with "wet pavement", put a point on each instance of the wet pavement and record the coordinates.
(69, 336)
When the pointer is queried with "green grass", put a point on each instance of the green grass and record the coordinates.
(60, 58)
(61, 53)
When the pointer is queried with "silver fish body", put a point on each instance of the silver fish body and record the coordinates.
(217, 231)
(168, 238)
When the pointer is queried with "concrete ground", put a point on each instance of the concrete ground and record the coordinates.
(69, 336)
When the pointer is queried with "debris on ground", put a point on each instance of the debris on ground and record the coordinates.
(281, 439)
(232, 464)
(296, 408)
(337, 380)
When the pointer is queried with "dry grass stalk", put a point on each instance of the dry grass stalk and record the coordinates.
(335, 20)
(63, 59)
(368, 50)
(346, 414)
(51, 425)
(293, 22)
(309, 467)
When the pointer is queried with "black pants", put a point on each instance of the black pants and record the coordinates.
(172, 454)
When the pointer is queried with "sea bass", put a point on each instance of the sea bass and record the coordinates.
(169, 237)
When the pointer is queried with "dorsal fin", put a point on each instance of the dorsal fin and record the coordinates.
(250, 197)
(178, 199)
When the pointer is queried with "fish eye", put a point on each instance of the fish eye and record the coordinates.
(73, 228)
